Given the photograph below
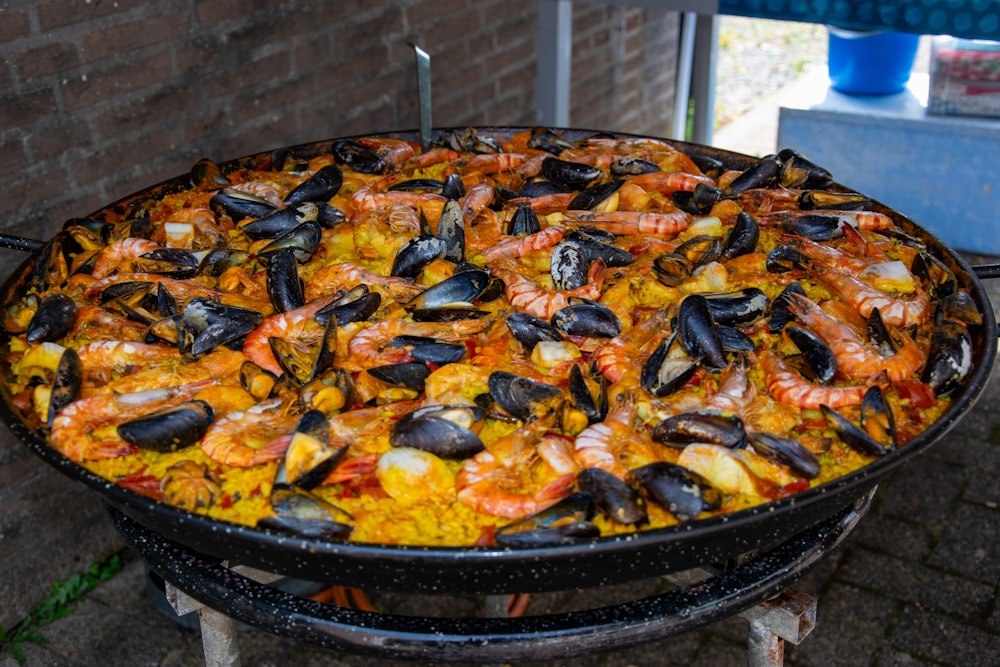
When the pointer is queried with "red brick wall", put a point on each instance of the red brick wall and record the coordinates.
(99, 99)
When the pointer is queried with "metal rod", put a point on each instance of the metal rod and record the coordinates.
(424, 94)
(20, 243)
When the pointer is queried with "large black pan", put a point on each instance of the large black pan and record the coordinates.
(507, 570)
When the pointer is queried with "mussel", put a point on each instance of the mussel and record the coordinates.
(53, 319)
(698, 334)
(415, 254)
(786, 451)
(169, 429)
(596, 249)
(523, 397)
(800, 172)
(299, 512)
(816, 352)
(284, 287)
(612, 496)
(601, 197)
(680, 491)
(565, 522)
(662, 375)
(320, 187)
(524, 221)
(856, 439)
(355, 305)
(763, 173)
(445, 431)
(589, 319)
(205, 324)
(66, 382)
(701, 426)
(950, 358)
(240, 205)
(357, 157)
(281, 221)
(571, 175)
(568, 266)
(737, 308)
(530, 330)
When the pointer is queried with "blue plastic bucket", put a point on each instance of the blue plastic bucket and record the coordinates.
(870, 63)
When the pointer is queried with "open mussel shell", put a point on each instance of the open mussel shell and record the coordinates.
(463, 287)
(169, 429)
(877, 334)
(565, 522)
(595, 248)
(205, 324)
(599, 197)
(593, 406)
(408, 374)
(358, 157)
(959, 305)
(700, 250)
(739, 308)
(281, 221)
(802, 173)
(763, 173)
(855, 438)
(698, 334)
(680, 491)
(632, 166)
(356, 305)
(523, 397)
(612, 496)
(939, 280)
(302, 240)
(445, 431)
(571, 175)
(787, 452)
(662, 375)
(320, 187)
(546, 139)
(524, 221)
(590, 319)
(304, 363)
(780, 313)
(66, 382)
(877, 419)
(240, 205)
(672, 268)
(299, 512)
(430, 350)
(529, 330)
(950, 358)
(815, 351)
(206, 174)
(218, 260)
(702, 426)
(256, 381)
(309, 459)
(698, 201)
(784, 258)
(837, 201)
(53, 319)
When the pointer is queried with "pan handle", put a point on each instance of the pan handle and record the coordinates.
(20, 243)
(987, 271)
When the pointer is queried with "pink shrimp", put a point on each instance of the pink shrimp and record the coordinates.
(345, 275)
(395, 152)
(369, 200)
(634, 222)
(86, 429)
(526, 295)
(122, 256)
(627, 352)
(430, 158)
(854, 358)
(368, 346)
(827, 256)
(895, 311)
(519, 246)
(488, 163)
(787, 386)
(669, 182)
(250, 437)
(513, 479)
(102, 358)
(476, 198)
(614, 445)
(546, 203)
(264, 191)
(298, 324)
(736, 392)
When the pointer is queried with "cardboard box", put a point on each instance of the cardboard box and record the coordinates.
(965, 77)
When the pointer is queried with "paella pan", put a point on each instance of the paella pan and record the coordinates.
(602, 354)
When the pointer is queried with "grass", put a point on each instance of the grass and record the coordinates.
(58, 604)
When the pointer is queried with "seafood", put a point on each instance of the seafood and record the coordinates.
(503, 340)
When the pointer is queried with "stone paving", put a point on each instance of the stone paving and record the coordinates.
(915, 584)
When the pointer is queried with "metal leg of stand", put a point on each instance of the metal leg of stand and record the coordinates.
(787, 617)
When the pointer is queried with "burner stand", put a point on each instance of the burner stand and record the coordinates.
(756, 588)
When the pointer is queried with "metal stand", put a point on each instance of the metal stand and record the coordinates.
(789, 616)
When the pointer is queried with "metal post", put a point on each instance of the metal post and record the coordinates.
(554, 42)
(703, 90)
(682, 91)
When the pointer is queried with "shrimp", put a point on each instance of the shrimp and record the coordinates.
(513, 478)
(735, 389)
(121, 256)
(86, 429)
(430, 158)
(519, 246)
(625, 352)
(854, 359)
(488, 163)
(787, 386)
(545, 204)
(346, 275)
(250, 437)
(526, 295)
(827, 256)
(368, 346)
(102, 358)
(614, 445)
(264, 191)
(394, 152)
(366, 200)
(667, 183)
(635, 222)
(895, 311)
(94, 322)
(477, 198)
(297, 324)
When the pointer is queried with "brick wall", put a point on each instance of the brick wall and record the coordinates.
(99, 99)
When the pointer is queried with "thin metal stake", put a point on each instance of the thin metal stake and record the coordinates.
(424, 94)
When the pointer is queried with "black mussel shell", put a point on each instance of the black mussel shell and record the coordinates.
(950, 358)
(453, 187)
(698, 334)
(565, 522)
(419, 185)
(357, 157)
(877, 334)
(524, 221)
(592, 320)
(583, 398)
(523, 397)
(282, 221)
(240, 205)
(734, 340)
(415, 254)
(594, 196)
(708, 165)
(814, 226)
(938, 279)
(632, 166)
(700, 250)
(451, 231)
(595, 249)
(284, 287)
(816, 352)
(784, 258)
(546, 140)
(205, 324)
(612, 496)
(960, 306)
(763, 173)
(320, 187)
(541, 188)
(463, 287)
(710, 427)
(680, 491)
(429, 350)
(742, 238)
(530, 330)
(786, 451)
(218, 260)
(66, 382)
(738, 308)
(447, 313)
(698, 201)
(301, 240)
(672, 269)
(571, 175)
(356, 305)
(839, 201)
(662, 375)
(800, 172)
(207, 175)
(877, 419)
(855, 438)
(53, 319)
(310, 529)
(409, 374)
(169, 429)
(440, 430)
(568, 266)
(780, 314)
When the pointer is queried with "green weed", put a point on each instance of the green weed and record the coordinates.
(56, 605)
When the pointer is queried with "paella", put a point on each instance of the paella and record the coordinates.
(498, 340)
